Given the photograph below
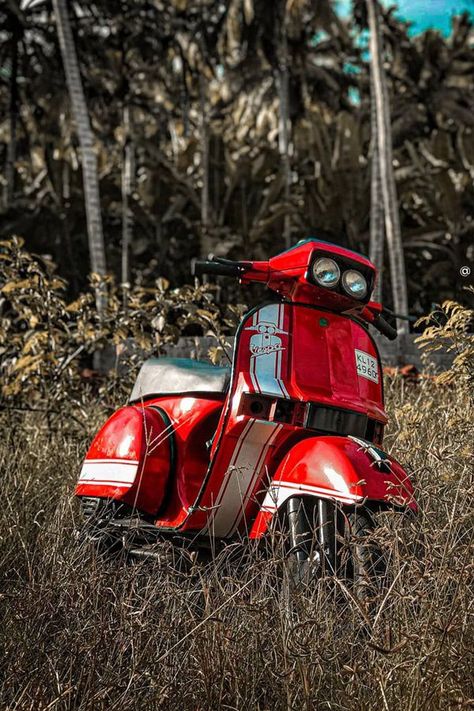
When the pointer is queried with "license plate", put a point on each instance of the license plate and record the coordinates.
(367, 366)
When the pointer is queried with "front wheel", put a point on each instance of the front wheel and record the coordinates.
(362, 563)
(328, 541)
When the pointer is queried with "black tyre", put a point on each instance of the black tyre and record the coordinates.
(362, 564)
(327, 541)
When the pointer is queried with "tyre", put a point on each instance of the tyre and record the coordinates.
(326, 541)
(362, 564)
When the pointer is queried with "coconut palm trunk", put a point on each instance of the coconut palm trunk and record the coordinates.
(377, 226)
(86, 140)
(128, 175)
(283, 130)
(385, 161)
(13, 117)
(206, 246)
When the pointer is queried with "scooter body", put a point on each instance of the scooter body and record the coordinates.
(216, 453)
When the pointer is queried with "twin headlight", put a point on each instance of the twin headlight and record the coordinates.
(326, 272)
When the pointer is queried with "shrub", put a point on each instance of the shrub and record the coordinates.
(44, 338)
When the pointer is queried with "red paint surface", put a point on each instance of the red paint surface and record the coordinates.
(133, 433)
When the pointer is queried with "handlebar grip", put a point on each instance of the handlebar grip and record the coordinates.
(384, 328)
(204, 266)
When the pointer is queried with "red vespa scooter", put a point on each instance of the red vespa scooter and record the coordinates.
(291, 433)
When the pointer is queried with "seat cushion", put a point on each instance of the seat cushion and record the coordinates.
(163, 376)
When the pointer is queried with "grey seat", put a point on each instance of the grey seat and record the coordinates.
(162, 376)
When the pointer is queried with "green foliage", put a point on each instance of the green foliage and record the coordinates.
(186, 71)
(451, 328)
(44, 337)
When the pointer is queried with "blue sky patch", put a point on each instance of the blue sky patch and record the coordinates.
(424, 14)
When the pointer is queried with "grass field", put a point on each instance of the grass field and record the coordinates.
(80, 632)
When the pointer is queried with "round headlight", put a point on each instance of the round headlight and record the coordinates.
(326, 272)
(354, 283)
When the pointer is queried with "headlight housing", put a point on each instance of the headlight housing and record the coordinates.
(354, 283)
(326, 272)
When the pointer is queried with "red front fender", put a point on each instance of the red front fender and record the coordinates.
(345, 469)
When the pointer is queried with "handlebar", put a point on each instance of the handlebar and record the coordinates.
(384, 328)
(403, 317)
(226, 267)
(206, 266)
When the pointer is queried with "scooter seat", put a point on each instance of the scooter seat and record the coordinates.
(163, 376)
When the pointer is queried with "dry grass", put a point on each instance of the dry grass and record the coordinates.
(78, 632)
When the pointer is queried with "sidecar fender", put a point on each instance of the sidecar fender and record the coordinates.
(345, 469)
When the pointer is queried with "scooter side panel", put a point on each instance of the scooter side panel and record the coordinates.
(249, 451)
(243, 457)
(129, 460)
(193, 423)
(343, 469)
(332, 360)
(295, 351)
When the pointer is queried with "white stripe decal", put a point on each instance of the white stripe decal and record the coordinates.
(279, 374)
(97, 482)
(221, 491)
(280, 380)
(280, 491)
(114, 470)
(108, 461)
(266, 349)
(242, 472)
(245, 497)
(234, 458)
(253, 376)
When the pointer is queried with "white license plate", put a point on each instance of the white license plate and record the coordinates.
(367, 366)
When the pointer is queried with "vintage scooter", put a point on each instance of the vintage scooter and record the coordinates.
(291, 435)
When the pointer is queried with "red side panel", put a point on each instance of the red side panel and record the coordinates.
(329, 365)
(194, 421)
(129, 460)
(338, 468)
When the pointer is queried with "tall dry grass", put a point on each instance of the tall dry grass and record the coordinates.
(80, 632)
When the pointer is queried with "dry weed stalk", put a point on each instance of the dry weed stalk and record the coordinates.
(81, 632)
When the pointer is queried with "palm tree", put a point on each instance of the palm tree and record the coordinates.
(377, 228)
(86, 140)
(128, 175)
(206, 246)
(385, 164)
(16, 33)
(284, 124)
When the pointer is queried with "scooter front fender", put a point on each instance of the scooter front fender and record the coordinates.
(344, 469)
